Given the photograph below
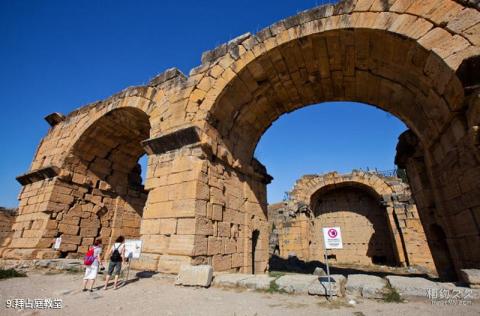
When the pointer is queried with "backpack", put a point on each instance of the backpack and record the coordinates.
(89, 257)
(116, 257)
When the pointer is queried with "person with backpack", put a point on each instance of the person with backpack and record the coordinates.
(117, 255)
(92, 263)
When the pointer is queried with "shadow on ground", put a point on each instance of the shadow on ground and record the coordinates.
(296, 265)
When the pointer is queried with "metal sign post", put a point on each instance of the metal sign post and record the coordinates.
(325, 253)
(130, 257)
(332, 239)
(133, 249)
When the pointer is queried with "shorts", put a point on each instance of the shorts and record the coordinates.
(91, 272)
(117, 266)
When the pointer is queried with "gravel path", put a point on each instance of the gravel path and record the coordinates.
(158, 296)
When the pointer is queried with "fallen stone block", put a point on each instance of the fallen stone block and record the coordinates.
(413, 286)
(200, 275)
(319, 271)
(322, 285)
(230, 279)
(257, 282)
(472, 277)
(296, 283)
(367, 286)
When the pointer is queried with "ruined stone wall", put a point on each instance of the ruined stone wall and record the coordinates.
(378, 218)
(410, 58)
(363, 222)
(7, 218)
(202, 211)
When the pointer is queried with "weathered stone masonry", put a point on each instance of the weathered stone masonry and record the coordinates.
(377, 216)
(206, 195)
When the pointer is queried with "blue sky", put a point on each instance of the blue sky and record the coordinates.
(56, 56)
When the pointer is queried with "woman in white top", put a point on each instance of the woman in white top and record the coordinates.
(117, 255)
(91, 271)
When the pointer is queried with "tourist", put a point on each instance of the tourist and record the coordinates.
(117, 255)
(92, 262)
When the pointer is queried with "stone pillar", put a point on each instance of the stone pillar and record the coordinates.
(200, 210)
(411, 157)
(40, 198)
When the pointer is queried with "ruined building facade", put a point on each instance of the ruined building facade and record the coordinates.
(204, 198)
(377, 216)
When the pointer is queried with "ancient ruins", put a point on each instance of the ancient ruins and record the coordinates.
(377, 215)
(204, 198)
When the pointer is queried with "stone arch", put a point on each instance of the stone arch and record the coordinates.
(90, 187)
(207, 193)
(402, 57)
(394, 198)
(305, 188)
(102, 178)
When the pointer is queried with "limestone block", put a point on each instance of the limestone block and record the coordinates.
(155, 243)
(70, 239)
(68, 247)
(186, 226)
(172, 264)
(230, 279)
(189, 207)
(217, 212)
(68, 229)
(407, 286)
(147, 261)
(237, 260)
(181, 245)
(200, 275)
(368, 286)
(168, 226)
(149, 227)
(230, 245)
(296, 283)
(223, 229)
(222, 262)
(319, 271)
(89, 232)
(204, 226)
(71, 220)
(47, 254)
(472, 277)
(257, 282)
(322, 285)
(215, 246)
(201, 245)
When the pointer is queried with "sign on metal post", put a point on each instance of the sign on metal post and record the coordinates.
(133, 249)
(332, 239)
(58, 242)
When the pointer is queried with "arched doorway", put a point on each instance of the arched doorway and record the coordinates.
(363, 221)
(361, 57)
(208, 193)
(104, 180)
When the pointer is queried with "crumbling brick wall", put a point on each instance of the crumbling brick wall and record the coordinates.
(406, 57)
(7, 218)
(377, 217)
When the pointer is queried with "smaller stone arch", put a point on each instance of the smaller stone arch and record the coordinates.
(387, 211)
(91, 188)
(103, 178)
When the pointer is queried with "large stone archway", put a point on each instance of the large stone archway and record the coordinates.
(207, 192)
(381, 223)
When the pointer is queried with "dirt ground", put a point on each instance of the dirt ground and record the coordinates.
(156, 295)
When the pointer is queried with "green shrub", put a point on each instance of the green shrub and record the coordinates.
(274, 288)
(276, 274)
(10, 273)
(391, 295)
